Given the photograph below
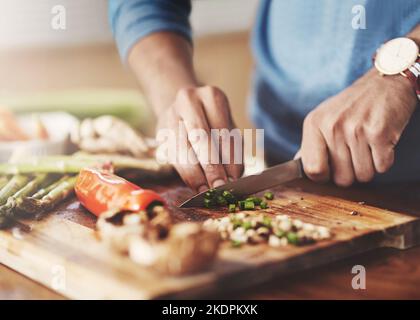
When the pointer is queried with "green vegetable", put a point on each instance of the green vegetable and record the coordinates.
(280, 233)
(208, 203)
(11, 187)
(208, 195)
(263, 205)
(229, 197)
(74, 163)
(257, 201)
(31, 206)
(241, 204)
(269, 195)
(44, 191)
(249, 205)
(232, 207)
(221, 201)
(6, 210)
(247, 225)
(211, 199)
(236, 244)
(266, 222)
(292, 238)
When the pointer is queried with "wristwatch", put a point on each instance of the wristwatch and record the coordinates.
(400, 56)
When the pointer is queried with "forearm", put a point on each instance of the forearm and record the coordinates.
(163, 64)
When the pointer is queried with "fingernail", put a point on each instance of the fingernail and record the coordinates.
(231, 179)
(202, 188)
(218, 183)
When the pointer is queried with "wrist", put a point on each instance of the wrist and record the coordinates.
(397, 84)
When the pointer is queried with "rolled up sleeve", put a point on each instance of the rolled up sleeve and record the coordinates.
(132, 20)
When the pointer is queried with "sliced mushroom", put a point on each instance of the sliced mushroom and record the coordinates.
(187, 249)
(151, 239)
(116, 234)
(108, 134)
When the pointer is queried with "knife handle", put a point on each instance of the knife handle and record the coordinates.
(300, 163)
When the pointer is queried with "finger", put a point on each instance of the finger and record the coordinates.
(361, 157)
(230, 143)
(194, 121)
(298, 155)
(314, 153)
(186, 165)
(382, 144)
(383, 157)
(341, 164)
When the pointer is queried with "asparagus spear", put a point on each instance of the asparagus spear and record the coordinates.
(30, 187)
(11, 187)
(62, 190)
(44, 191)
(26, 190)
(73, 164)
(44, 165)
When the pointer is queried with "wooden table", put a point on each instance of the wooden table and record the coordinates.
(390, 273)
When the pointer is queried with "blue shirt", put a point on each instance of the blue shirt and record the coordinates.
(305, 52)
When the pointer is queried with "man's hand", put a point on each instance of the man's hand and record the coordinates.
(163, 65)
(352, 135)
(200, 108)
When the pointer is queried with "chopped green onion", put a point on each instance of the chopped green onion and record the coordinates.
(256, 200)
(209, 203)
(226, 193)
(221, 201)
(229, 197)
(247, 225)
(232, 207)
(280, 233)
(269, 195)
(208, 195)
(263, 205)
(236, 244)
(292, 238)
(266, 222)
(241, 205)
(249, 205)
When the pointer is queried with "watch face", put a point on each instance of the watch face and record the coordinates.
(396, 56)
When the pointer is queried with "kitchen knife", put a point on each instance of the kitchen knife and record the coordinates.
(245, 186)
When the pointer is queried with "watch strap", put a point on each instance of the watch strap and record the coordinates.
(413, 74)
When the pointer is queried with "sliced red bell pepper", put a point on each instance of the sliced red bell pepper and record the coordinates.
(100, 191)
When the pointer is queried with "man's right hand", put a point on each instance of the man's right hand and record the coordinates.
(163, 65)
(200, 108)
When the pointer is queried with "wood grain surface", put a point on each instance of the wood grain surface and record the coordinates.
(63, 244)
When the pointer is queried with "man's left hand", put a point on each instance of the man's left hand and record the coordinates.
(352, 135)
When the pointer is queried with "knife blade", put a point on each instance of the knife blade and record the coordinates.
(251, 184)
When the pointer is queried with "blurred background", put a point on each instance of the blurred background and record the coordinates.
(79, 67)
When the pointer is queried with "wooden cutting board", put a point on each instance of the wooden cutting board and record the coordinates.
(62, 252)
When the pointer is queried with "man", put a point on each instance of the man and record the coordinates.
(316, 92)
